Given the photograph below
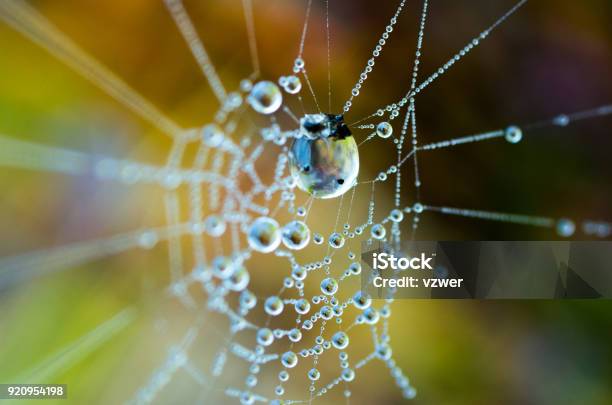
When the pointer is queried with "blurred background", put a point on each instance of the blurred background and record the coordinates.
(103, 327)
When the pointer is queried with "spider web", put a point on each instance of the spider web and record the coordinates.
(225, 192)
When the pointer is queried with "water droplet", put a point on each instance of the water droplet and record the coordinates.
(289, 359)
(274, 305)
(562, 120)
(329, 286)
(265, 337)
(318, 238)
(314, 374)
(340, 340)
(361, 301)
(302, 306)
(336, 240)
(566, 227)
(212, 135)
(292, 85)
(348, 374)
(396, 215)
(148, 239)
(418, 208)
(246, 85)
(384, 129)
(264, 235)
(378, 231)
(248, 299)
(299, 273)
(410, 393)
(295, 335)
(238, 280)
(296, 235)
(325, 166)
(223, 267)
(513, 134)
(214, 225)
(383, 352)
(371, 316)
(246, 398)
(326, 312)
(265, 97)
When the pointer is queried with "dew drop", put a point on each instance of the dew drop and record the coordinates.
(361, 301)
(214, 226)
(289, 359)
(340, 340)
(396, 215)
(212, 136)
(336, 240)
(274, 305)
(247, 300)
(296, 235)
(384, 129)
(238, 280)
(299, 273)
(295, 335)
(383, 352)
(371, 316)
(566, 227)
(378, 231)
(264, 235)
(326, 312)
(418, 208)
(148, 239)
(302, 306)
(329, 286)
(562, 120)
(246, 398)
(293, 85)
(348, 374)
(314, 374)
(265, 337)
(265, 97)
(246, 85)
(325, 160)
(223, 267)
(355, 268)
(513, 134)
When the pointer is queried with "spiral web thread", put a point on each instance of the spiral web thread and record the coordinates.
(219, 164)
